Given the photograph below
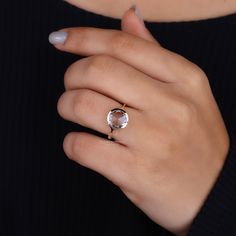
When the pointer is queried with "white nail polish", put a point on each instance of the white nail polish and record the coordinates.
(58, 37)
(138, 13)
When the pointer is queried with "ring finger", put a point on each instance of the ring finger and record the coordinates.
(89, 108)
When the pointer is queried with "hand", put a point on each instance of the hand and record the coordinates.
(168, 157)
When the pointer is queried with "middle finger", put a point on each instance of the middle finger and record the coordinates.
(115, 79)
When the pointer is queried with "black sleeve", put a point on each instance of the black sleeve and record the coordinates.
(217, 216)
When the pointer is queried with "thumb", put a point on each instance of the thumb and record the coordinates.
(132, 22)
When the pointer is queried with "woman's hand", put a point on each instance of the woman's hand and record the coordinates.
(168, 157)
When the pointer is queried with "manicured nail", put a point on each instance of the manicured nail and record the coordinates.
(137, 12)
(58, 37)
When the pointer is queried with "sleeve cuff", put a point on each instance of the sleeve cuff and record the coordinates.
(217, 216)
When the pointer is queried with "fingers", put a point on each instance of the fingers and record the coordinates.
(103, 156)
(149, 57)
(90, 109)
(114, 79)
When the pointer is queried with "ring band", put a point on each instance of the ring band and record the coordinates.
(117, 118)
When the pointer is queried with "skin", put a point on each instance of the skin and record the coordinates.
(161, 10)
(169, 156)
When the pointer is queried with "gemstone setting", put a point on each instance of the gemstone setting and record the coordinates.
(117, 118)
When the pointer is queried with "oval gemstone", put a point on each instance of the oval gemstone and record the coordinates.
(117, 118)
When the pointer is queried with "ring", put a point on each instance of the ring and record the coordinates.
(117, 118)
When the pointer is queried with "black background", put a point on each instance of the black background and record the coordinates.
(42, 192)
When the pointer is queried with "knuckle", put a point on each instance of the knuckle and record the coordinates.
(99, 65)
(76, 147)
(183, 113)
(196, 77)
(82, 103)
(121, 42)
(60, 103)
(79, 148)
(69, 74)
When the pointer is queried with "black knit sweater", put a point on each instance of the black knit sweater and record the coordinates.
(42, 192)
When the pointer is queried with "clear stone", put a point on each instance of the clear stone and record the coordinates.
(117, 118)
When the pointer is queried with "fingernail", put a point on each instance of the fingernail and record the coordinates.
(58, 37)
(137, 13)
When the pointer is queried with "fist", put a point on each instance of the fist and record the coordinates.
(168, 157)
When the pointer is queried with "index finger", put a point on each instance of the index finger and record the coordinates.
(149, 57)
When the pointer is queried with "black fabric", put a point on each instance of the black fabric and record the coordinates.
(218, 214)
(42, 192)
